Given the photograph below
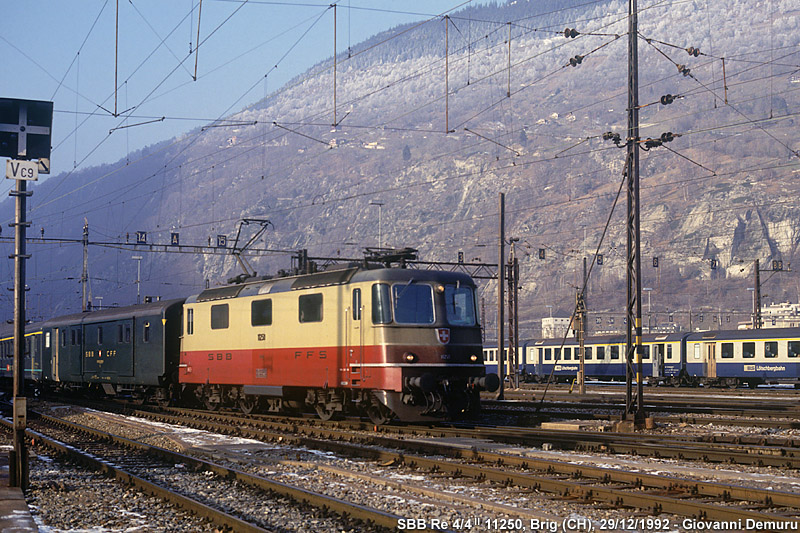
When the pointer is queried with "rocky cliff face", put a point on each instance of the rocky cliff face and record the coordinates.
(724, 189)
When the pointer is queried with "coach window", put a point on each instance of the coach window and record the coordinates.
(99, 334)
(548, 354)
(219, 316)
(381, 304)
(669, 351)
(646, 352)
(727, 350)
(310, 308)
(697, 351)
(356, 304)
(413, 303)
(794, 348)
(614, 352)
(770, 349)
(190, 321)
(601, 352)
(146, 332)
(748, 350)
(567, 354)
(587, 353)
(261, 313)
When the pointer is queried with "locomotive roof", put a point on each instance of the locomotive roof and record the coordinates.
(327, 278)
(117, 313)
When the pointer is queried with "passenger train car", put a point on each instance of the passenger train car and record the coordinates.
(386, 342)
(32, 350)
(712, 358)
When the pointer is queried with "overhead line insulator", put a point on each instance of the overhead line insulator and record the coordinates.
(667, 99)
(571, 33)
(611, 136)
(692, 51)
(683, 69)
(575, 61)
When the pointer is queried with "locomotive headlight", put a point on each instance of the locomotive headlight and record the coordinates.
(473, 358)
(410, 357)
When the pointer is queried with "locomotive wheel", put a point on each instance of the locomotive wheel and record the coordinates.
(324, 412)
(379, 414)
(211, 403)
(247, 404)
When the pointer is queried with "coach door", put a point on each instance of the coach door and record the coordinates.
(658, 360)
(55, 345)
(355, 338)
(711, 359)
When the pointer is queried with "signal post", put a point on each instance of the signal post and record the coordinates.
(25, 127)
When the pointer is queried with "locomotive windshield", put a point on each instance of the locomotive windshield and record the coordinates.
(413, 304)
(460, 305)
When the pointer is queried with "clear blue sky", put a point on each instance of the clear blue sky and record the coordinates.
(64, 51)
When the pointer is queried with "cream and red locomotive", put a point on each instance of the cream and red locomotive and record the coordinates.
(383, 341)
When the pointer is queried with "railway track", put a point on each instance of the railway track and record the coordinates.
(784, 414)
(154, 470)
(650, 492)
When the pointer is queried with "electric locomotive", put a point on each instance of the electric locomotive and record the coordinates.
(388, 342)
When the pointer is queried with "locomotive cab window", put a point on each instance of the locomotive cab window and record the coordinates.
(460, 304)
(146, 332)
(381, 304)
(770, 349)
(99, 334)
(413, 304)
(219, 316)
(310, 307)
(190, 321)
(261, 313)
